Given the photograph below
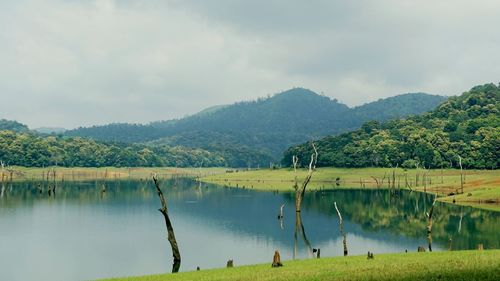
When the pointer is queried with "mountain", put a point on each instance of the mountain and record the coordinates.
(50, 130)
(465, 127)
(265, 126)
(398, 106)
(10, 125)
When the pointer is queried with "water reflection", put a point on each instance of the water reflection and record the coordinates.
(102, 229)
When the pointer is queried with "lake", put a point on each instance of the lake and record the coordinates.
(83, 233)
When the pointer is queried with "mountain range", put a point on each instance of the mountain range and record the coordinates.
(266, 126)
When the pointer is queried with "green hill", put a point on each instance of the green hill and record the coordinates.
(12, 126)
(467, 126)
(266, 126)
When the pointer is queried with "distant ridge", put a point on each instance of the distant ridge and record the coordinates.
(50, 130)
(266, 125)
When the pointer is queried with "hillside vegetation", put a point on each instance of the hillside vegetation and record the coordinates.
(264, 126)
(246, 134)
(31, 150)
(466, 127)
(10, 125)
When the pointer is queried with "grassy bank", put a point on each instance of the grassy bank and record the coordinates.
(480, 188)
(105, 173)
(459, 265)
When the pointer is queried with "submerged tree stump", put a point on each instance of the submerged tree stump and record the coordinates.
(370, 255)
(276, 259)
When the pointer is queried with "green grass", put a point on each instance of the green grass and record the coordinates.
(104, 173)
(459, 265)
(481, 188)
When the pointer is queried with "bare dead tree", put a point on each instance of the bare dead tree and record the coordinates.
(417, 175)
(295, 161)
(341, 225)
(300, 191)
(461, 174)
(394, 176)
(381, 182)
(2, 164)
(429, 225)
(170, 230)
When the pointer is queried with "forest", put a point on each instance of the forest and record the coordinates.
(245, 134)
(32, 150)
(462, 130)
(264, 126)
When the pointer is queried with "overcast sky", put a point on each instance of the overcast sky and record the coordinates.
(83, 62)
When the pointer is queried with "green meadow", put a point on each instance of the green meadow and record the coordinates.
(451, 265)
(481, 188)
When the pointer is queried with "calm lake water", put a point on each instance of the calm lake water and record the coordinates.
(82, 233)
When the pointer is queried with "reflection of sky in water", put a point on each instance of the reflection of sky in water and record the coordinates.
(83, 235)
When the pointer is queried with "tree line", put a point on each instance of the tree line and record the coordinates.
(466, 127)
(33, 150)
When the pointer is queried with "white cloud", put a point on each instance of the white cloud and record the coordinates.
(70, 63)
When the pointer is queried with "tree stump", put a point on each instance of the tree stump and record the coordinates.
(370, 255)
(276, 259)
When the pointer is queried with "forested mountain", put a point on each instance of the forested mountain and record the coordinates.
(244, 134)
(50, 130)
(12, 126)
(397, 107)
(467, 126)
(265, 126)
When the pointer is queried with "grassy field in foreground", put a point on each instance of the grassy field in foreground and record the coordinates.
(481, 187)
(109, 173)
(459, 265)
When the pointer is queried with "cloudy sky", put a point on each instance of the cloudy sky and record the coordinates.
(83, 62)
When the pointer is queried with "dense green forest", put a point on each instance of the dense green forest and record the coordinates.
(467, 127)
(29, 149)
(264, 126)
(12, 126)
(246, 134)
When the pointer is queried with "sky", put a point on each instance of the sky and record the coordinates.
(71, 63)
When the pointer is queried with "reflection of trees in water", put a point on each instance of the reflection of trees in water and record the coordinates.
(26, 193)
(376, 210)
(372, 210)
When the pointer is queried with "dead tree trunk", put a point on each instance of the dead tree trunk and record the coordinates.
(461, 174)
(341, 224)
(300, 191)
(170, 230)
(429, 225)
